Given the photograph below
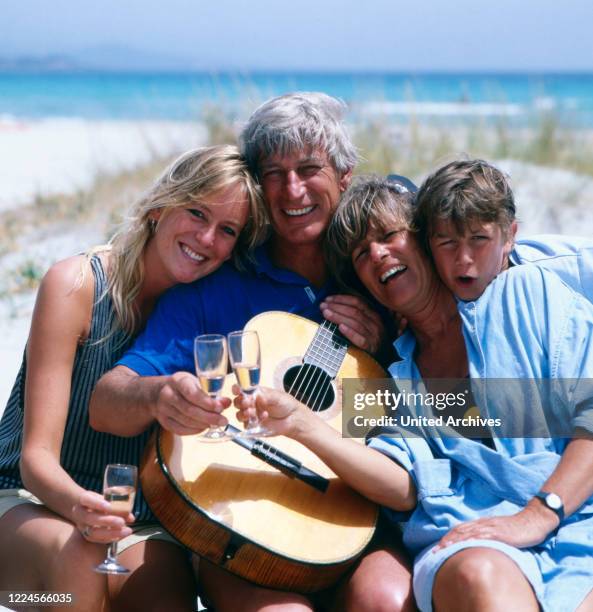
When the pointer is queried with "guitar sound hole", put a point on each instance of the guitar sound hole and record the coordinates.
(310, 385)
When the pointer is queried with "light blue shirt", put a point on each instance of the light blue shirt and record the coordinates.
(527, 325)
(570, 257)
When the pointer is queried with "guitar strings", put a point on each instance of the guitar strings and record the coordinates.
(302, 377)
(326, 345)
(320, 351)
(324, 351)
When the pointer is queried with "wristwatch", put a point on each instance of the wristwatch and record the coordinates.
(553, 501)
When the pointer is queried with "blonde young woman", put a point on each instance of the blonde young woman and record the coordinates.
(54, 523)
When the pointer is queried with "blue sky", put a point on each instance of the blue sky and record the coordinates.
(393, 35)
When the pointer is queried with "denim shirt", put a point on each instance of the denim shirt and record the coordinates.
(570, 257)
(527, 325)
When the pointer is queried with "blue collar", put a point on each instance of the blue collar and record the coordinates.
(405, 345)
(264, 266)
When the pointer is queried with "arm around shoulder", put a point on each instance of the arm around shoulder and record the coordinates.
(123, 403)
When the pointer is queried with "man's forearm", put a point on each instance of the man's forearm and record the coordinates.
(123, 403)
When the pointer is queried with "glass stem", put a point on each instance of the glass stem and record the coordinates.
(112, 552)
(253, 420)
(215, 428)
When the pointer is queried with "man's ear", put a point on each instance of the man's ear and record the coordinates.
(345, 180)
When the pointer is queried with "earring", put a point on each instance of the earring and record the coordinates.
(152, 226)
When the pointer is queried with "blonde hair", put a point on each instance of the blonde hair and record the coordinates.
(193, 176)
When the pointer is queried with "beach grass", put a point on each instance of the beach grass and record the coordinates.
(415, 148)
(102, 206)
(412, 148)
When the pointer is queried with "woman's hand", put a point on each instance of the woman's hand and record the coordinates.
(278, 411)
(356, 320)
(526, 528)
(92, 517)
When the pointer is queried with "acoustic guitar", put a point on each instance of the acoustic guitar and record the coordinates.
(269, 510)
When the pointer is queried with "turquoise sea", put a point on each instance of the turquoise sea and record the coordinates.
(185, 96)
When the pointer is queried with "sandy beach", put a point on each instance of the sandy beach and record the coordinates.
(39, 158)
(56, 157)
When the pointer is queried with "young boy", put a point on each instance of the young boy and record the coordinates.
(465, 213)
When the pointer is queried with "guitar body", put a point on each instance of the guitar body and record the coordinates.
(249, 517)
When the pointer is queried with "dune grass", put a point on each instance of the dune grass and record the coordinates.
(103, 206)
(412, 148)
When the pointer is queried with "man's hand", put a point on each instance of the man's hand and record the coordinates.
(526, 528)
(183, 408)
(356, 320)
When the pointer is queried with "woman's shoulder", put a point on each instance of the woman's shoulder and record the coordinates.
(70, 282)
(68, 275)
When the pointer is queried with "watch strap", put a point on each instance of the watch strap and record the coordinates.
(559, 510)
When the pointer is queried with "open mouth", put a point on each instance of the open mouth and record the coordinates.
(298, 212)
(192, 254)
(392, 273)
(465, 280)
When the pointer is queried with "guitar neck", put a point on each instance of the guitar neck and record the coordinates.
(327, 349)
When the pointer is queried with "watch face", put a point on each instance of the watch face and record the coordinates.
(553, 501)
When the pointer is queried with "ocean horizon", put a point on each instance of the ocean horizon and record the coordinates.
(98, 95)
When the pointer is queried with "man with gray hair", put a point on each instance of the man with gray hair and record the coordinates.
(298, 148)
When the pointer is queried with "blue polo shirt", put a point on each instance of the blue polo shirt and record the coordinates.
(218, 304)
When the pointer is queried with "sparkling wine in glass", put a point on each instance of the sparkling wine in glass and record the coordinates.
(210, 354)
(245, 357)
(119, 489)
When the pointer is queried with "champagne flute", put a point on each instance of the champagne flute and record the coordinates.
(245, 357)
(119, 489)
(210, 354)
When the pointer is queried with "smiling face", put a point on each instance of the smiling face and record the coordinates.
(301, 190)
(467, 263)
(393, 267)
(194, 240)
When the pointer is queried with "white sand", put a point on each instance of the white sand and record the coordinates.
(64, 155)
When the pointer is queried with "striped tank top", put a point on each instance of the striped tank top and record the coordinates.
(85, 452)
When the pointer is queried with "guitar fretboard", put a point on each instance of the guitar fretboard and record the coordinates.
(328, 348)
